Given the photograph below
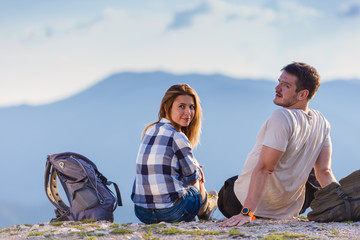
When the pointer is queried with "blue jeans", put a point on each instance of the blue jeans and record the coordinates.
(185, 210)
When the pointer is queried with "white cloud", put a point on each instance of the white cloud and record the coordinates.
(66, 54)
(185, 18)
(297, 11)
(229, 11)
(282, 13)
(68, 26)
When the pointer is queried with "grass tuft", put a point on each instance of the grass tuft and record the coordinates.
(5, 230)
(172, 231)
(294, 235)
(79, 228)
(147, 236)
(33, 234)
(56, 223)
(234, 231)
(85, 234)
(114, 225)
(121, 231)
(94, 225)
(154, 226)
(125, 224)
(285, 235)
(303, 218)
(334, 232)
(88, 221)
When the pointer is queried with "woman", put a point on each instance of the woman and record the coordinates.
(169, 182)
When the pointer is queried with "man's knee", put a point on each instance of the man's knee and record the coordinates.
(228, 203)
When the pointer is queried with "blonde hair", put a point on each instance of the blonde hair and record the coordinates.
(192, 131)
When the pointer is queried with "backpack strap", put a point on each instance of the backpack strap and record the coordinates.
(61, 216)
(108, 183)
(118, 195)
(347, 200)
(52, 192)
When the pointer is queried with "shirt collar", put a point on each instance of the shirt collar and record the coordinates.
(164, 120)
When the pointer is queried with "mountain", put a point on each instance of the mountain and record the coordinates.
(105, 121)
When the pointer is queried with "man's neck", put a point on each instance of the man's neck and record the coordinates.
(301, 106)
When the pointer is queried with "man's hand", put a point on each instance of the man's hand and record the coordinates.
(236, 220)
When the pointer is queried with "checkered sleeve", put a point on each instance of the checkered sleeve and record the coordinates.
(189, 167)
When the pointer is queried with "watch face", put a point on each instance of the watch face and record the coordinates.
(245, 211)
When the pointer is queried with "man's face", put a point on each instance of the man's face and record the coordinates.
(286, 95)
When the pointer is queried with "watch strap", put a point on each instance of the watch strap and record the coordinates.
(247, 212)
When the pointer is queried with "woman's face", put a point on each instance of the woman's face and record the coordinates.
(183, 110)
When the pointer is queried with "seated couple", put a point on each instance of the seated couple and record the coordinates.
(169, 183)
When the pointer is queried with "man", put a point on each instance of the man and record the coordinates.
(292, 141)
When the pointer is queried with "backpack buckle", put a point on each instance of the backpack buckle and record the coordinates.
(342, 194)
(102, 177)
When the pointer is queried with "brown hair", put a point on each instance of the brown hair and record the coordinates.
(307, 77)
(194, 129)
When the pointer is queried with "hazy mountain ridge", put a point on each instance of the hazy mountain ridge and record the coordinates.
(105, 121)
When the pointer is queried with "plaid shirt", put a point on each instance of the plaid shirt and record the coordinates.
(165, 167)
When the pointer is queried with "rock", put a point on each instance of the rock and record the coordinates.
(258, 229)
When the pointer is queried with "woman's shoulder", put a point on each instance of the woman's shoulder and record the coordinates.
(154, 127)
(179, 138)
(161, 128)
(165, 128)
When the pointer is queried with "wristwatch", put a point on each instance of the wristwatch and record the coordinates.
(246, 211)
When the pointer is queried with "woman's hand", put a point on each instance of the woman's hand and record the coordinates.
(202, 176)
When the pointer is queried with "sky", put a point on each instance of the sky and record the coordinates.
(50, 50)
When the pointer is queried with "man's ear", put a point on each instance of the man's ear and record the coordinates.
(303, 94)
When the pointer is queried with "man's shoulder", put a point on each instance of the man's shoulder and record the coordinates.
(317, 113)
(297, 112)
(296, 116)
(320, 117)
(280, 113)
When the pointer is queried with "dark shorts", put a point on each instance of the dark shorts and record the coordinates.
(185, 210)
(229, 205)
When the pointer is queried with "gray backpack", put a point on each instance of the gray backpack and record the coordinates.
(86, 189)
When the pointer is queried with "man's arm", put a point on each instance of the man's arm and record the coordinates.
(269, 158)
(322, 167)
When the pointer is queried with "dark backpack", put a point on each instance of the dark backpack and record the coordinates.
(337, 202)
(311, 186)
(86, 189)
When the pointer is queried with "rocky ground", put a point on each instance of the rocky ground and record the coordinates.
(299, 228)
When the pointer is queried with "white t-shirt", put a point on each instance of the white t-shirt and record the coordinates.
(301, 137)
